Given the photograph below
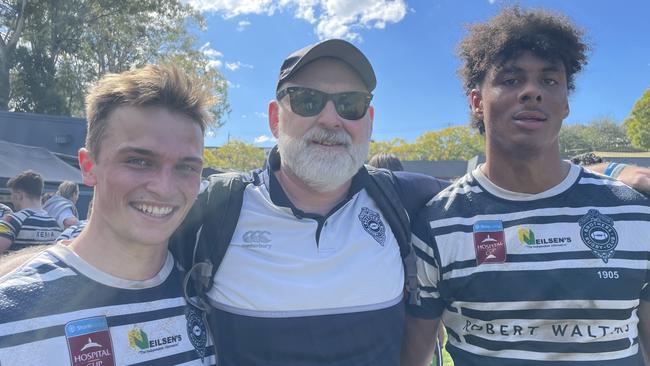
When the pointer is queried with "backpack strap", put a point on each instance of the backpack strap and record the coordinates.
(211, 227)
(383, 191)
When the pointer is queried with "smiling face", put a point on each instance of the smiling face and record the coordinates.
(523, 104)
(325, 150)
(147, 174)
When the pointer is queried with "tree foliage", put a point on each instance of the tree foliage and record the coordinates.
(12, 23)
(637, 125)
(67, 45)
(452, 143)
(599, 135)
(235, 155)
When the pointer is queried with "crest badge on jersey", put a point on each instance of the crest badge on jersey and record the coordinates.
(89, 342)
(373, 225)
(598, 233)
(489, 242)
(196, 330)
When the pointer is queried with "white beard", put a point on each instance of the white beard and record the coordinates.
(321, 168)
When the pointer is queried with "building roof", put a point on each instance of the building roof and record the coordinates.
(59, 134)
(16, 158)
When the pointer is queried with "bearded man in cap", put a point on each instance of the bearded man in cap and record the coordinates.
(304, 281)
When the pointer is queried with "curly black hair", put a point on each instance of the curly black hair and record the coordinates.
(548, 35)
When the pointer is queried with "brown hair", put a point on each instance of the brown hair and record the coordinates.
(386, 161)
(152, 85)
(29, 182)
(549, 36)
(68, 189)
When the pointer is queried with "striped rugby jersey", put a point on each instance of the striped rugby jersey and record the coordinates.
(59, 310)
(524, 279)
(72, 231)
(29, 227)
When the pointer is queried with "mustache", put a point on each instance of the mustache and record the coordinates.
(323, 135)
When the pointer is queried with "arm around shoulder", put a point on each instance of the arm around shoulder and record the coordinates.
(419, 341)
(634, 176)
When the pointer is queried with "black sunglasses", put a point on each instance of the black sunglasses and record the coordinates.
(308, 102)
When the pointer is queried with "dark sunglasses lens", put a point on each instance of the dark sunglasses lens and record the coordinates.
(306, 102)
(351, 106)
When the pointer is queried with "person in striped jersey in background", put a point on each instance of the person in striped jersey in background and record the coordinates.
(529, 259)
(30, 225)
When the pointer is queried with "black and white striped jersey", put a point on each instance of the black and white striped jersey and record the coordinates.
(536, 279)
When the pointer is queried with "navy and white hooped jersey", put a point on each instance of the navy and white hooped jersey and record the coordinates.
(72, 231)
(29, 227)
(301, 289)
(58, 310)
(536, 279)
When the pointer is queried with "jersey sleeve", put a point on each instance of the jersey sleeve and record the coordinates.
(417, 189)
(9, 227)
(428, 267)
(63, 215)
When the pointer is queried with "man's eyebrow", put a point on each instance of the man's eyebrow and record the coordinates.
(135, 150)
(193, 159)
(149, 153)
(517, 69)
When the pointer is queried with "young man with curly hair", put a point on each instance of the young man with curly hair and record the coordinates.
(529, 259)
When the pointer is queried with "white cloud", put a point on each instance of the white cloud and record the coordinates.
(332, 18)
(234, 66)
(214, 56)
(243, 24)
(232, 85)
(261, 115)
(264, 138)
(233, 8)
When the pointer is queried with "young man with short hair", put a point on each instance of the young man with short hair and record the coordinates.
(30, 224)
(113, 295)
(530, 260)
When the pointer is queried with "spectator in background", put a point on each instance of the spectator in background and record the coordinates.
(73, 231)
(30, 224)
(386, 161)
(635, 176)
(62, 207)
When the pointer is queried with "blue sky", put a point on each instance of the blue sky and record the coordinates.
(411, 44)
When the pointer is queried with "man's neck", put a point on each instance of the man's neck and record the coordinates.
(108, 253)
(307, 199)
(32, 205)
(525, 172)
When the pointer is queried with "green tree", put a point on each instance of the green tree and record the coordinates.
(637, 125)
(384, 146)
(235, 155)
(68, 45)
(12, 24)
(599, 135)
(451, 143)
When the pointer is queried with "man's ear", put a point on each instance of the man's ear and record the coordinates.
(476, 102)
(274, 118)
(87, 165)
